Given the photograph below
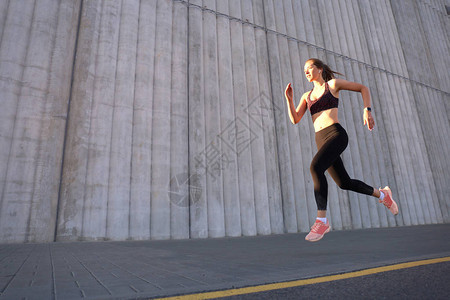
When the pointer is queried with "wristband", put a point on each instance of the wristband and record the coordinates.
(368, 108)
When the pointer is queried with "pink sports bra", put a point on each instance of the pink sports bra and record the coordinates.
(326, 101)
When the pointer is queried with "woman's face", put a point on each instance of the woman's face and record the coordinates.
(311, 71)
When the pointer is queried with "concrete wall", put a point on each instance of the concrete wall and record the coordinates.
(166, 119)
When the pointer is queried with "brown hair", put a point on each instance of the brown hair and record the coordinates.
(327, 73)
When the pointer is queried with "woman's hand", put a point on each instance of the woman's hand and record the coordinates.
(288, 93)
(295, 114)
(368, 119)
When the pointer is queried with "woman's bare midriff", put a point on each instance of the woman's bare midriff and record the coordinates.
(325, 118)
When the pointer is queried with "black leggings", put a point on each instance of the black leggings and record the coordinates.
(331, 142)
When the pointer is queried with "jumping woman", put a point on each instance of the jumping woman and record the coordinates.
(331, 139)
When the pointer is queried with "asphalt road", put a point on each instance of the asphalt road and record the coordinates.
(423, 282)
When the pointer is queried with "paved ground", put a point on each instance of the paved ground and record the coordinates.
(140, 270)
(423, 282)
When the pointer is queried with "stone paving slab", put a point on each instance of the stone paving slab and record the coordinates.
(146, 269)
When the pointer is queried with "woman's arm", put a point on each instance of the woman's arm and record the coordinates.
(340, 84)
(295, 114)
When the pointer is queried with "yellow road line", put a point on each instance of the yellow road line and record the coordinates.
(295, 283)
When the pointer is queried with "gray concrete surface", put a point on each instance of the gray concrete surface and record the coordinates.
(144, 269)
(166, 119)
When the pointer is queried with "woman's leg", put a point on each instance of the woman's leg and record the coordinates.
(343, 180)
(340, 176)
(330, 143)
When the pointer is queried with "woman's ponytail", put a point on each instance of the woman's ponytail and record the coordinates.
(327, 73)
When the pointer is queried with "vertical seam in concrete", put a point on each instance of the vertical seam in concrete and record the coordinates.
(321, 30)
(4, 23)
(188, 9)
(233, 115)
(204, 129)
(273, 111)
(89, 136)
(289, 139)
(233, 75)
(152, 121)
(171, 118)
(247, 123)
(2, 199)
(222, 190)
(258, 83)
(114, 110)
(66, 129)
(35, 167)
(132, 120)
(428, 53)
(40, 142)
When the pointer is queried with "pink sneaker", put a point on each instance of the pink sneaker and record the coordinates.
(388, 201)
(318, 230)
